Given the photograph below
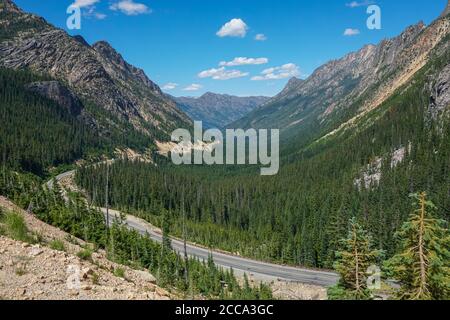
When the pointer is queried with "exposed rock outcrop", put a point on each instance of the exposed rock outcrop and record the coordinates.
(440, 95)
(55, 91)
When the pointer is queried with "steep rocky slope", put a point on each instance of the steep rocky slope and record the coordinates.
(218, 110)
(37, 272)
(97, 74)
(340, 92)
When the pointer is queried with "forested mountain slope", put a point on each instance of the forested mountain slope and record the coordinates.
(35, 132)
(115, 93)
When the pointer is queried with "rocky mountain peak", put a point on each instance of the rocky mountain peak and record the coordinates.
(112, 57)
(81, 40)
(9, 6)
(447, 10)
(104, 48)
(208, 95)
(294, 82)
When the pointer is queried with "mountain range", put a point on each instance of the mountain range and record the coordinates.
(338, 94)
(218, 110)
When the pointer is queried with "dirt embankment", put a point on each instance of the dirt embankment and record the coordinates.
(39, 272)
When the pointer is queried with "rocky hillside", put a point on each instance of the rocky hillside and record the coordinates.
(49, 266)
(218, 110)
(114, 90)
(340, 92)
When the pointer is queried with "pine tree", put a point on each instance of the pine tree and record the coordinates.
(352, 263)
(422, 266)
(166, 244)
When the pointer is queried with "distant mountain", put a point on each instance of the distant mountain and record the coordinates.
(218, 110)
(115, 95)
(342, 91)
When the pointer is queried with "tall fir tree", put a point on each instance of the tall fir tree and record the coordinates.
(353, 260)
(423, 264)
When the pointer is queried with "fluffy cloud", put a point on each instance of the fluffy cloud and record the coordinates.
(351, 32)
(222, 74)
(260, 37)
(84, 3)
(193, 87)
(233, 28)
(242, 61)
(170, 86)
(356, 4)
(129, 7)
(288, 70)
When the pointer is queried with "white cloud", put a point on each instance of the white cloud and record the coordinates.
(351, 32)
(222, 74)
(84, 3)
(356, 4)
(100, 16)
(233, 28)
(288, 70)
(242, 61)
(170, 86)
(193, 87)
(130, 8)
(260, 37)
(93, 13)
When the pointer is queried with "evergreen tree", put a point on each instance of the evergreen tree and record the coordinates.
(352, 263)
(422, 266)
(167, 245)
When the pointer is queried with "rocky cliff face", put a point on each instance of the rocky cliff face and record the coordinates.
(58, 93)
(218, 110)
(97, 74)
(440, 94)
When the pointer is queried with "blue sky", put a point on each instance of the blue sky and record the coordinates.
(174, 41)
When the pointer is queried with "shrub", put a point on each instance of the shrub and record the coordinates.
(119, 272)
(85, 254)
(57, 245)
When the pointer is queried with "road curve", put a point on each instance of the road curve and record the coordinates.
(262, 271)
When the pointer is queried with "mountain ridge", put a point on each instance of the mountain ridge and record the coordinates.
(97, 74)
(340, 91)
(218, 110)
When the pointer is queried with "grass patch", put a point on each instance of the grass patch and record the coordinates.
(21, 271)
(119, 272)
(13, 226)
(95, 278)
(85, 254)
(57, 245)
